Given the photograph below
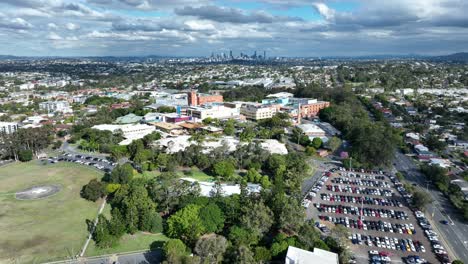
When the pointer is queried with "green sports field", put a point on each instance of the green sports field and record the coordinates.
(33, 231)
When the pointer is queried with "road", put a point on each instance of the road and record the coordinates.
(456, 235)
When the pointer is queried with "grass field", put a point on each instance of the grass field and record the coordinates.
(197, 174)
(48, 229)
(128, 243)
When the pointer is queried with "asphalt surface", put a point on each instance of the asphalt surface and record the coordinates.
(361, 251)
(456, 235)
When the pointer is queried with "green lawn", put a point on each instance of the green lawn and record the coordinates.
(128, 243)
(48, 229)
(197, 175)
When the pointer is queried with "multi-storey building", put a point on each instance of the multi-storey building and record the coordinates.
(219, 111)
(8, 127)
(195, 99)
(55, 106)
(305, 106)
(255, 111)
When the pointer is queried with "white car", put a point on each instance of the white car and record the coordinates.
(423, 250)
(437, 246)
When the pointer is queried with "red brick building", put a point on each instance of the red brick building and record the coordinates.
(310, 110)
(195, 99)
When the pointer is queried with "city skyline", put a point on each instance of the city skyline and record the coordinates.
(197, 28)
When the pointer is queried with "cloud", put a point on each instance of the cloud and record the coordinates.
(200, 25)
(33, 3)
(141, 25)
(148, 4)
(230, 15)
(54, 36)
(324, 10)
(15, 23)
(52, 26)
(71, 26)
(197, 27)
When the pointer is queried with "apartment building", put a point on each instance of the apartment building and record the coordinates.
(255, 111)
(55, 106)
(8, 127)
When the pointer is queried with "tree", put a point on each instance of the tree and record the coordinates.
(265, 182)
(93, 190)
(420, 199)
(433, 143)
(310, 151)
(25, 155)
(224, 169)
(244, 256)
(253, 176)
(166, 109)
(211, 248)
(247, 135)
(262, 254)
(117, 223)
(291, 216)
(257, 217)
(135, 205)
(317, 142)
(174, 250)
(280, 244)
(122, 174)
(186, 224)
(135, 147)
(57, 144)
(242, 236)
(334, 143)
(308, 237)
(341, 233)
(229, 129)
(112, 188)
(102, 236)
(212, 218)
(152, 222)
(299, 137)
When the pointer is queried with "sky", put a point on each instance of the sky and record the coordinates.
(304, 28)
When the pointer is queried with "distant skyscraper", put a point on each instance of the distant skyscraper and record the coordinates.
(255, 55)
(230, 54)
(264, 55)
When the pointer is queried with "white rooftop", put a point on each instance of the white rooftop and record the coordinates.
(310, 128)
(318, 256)
(180, 143)
(280, 95)
(206, 188)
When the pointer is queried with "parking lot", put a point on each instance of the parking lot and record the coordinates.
(97, 162)
(374, 208)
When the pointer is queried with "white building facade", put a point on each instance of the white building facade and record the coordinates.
(8, 127)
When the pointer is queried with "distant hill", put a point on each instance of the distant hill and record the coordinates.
(8, 57)
(455, 57)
